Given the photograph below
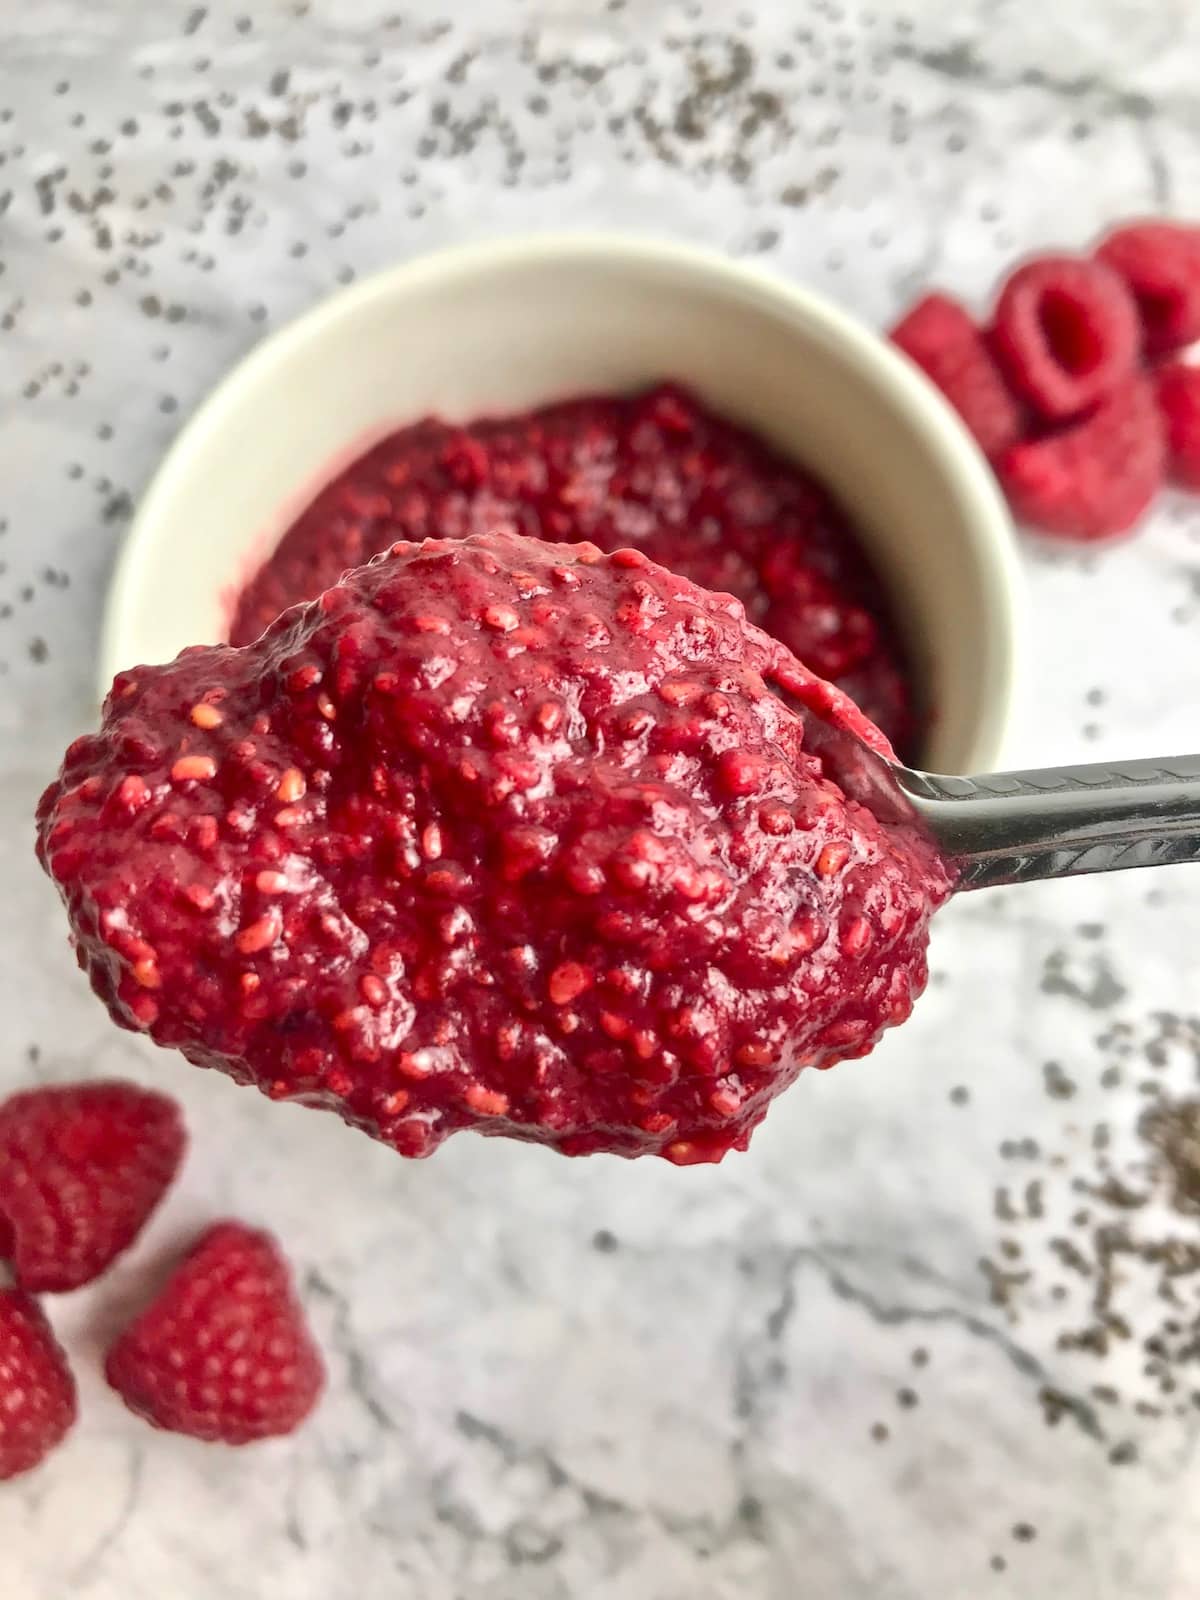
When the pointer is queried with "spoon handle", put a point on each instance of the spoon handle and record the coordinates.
(1016, 827)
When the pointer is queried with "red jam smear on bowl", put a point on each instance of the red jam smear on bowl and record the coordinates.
(495, 834)
(655, 472)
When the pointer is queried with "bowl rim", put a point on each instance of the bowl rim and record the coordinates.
(987, 524)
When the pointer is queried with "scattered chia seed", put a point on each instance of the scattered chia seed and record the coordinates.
(1173, 1130)
(1058, 1085)
(1119, 1275)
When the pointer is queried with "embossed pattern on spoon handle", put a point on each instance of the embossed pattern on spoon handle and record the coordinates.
(1016, 827)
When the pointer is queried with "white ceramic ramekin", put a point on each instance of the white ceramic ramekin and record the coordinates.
(502, 327)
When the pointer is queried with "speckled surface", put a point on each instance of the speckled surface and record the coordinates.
(789, 1376)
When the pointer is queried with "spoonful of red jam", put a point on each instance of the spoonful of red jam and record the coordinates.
(536, 840)
(494, 834)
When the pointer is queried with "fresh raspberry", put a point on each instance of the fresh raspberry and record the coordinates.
(37, 1391)
(1095, 478)
(82, 1166)
(1066, 334)
(1160, 261)
(939, 335)
(1178, 390)
(224, 1353)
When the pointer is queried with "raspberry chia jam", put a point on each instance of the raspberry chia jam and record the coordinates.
(495, 834)
(655, 472)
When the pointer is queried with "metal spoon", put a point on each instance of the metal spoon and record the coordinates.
(1017, 827)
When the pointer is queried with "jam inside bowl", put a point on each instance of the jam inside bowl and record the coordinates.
(502, 331)
(655, 472)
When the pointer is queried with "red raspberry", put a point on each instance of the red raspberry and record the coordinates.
(1066, 334)
(939, 335)
(224, 1352)
(1160, 261)
(1178, 390)
(82, 1166)
(37, 1391)
(1095, 478)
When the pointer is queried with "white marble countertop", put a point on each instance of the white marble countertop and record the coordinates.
(784, 1378)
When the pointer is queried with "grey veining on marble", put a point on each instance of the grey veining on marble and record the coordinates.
(595, 1380)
